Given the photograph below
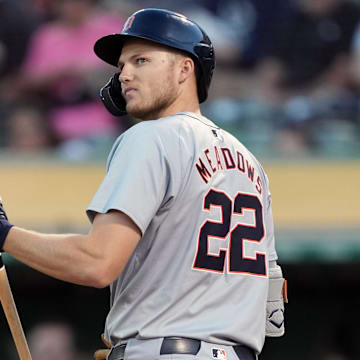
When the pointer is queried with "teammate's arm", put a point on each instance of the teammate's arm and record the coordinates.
(95, 259)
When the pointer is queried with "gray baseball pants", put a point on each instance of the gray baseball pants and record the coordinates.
(174, 348)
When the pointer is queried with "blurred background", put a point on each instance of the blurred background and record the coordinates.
(287, 84)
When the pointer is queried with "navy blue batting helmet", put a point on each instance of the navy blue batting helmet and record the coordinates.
(167, 28)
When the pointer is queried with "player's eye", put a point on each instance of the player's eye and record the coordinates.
(141, 60)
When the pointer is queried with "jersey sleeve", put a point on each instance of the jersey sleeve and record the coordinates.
(137, 179)
(268, 216)
(270, 231)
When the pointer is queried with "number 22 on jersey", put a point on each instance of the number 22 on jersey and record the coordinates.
(239, 235)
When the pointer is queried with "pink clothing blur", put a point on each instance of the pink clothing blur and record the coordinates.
(83, 120)
(56, 48)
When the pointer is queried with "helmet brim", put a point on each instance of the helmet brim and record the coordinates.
(109, 47)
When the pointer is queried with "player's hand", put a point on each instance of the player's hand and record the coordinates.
(102, 354)
(5, 225)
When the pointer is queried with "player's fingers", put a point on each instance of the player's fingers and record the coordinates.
(101, 354)
(107, 343)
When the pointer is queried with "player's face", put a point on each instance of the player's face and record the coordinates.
(148, 79)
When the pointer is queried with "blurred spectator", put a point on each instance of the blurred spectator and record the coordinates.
(18, 22)
(123, 7)
(307, 70)
(241, 30)
(61, 72)
(27, 131)
(355, 63)
(53, 340)
(228, 24)
(312, 51)
(261, 36)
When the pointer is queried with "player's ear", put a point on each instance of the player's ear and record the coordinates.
(187, 69)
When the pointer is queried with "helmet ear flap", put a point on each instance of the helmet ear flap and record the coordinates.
(204, 51)
(112, 98)
(205, 67)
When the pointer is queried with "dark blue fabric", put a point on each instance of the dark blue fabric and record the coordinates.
(5, 227)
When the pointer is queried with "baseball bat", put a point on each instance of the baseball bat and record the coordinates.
(12, 316)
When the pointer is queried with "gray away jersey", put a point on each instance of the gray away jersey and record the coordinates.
(203, 205)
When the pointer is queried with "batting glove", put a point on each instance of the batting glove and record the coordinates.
(5, 226)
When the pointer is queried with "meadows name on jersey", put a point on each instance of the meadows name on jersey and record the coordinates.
(223, 160)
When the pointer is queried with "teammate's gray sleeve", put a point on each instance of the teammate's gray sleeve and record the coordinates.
(137, 177)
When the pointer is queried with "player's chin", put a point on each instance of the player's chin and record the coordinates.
(136, 111)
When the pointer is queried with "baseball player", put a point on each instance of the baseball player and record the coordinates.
(182, 228)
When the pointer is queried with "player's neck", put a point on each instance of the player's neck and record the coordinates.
(177, 107)
(187, 103)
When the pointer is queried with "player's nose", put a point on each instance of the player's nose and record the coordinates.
(126, 74)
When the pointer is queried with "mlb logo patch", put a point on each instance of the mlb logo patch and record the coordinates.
(218, 354)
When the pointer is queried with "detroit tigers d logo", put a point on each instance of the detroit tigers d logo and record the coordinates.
(129, 23)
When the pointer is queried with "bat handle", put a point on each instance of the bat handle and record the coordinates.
(12, 315)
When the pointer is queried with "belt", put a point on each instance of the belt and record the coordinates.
(178, 345)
